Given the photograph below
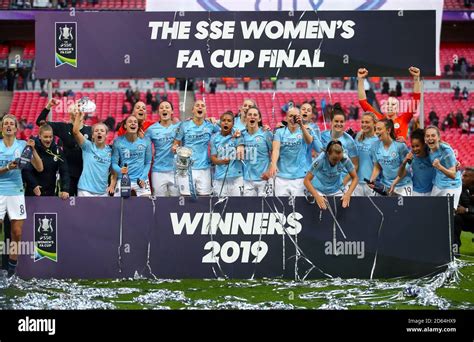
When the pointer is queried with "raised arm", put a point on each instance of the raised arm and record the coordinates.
(36, 160)
(362, 73)
(43, 116)
(76, 128)
(416, 73)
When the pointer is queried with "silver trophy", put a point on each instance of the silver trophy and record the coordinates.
(183, 160)
(86, 105)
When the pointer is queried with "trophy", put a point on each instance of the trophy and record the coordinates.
(183, 161)
(86, 105)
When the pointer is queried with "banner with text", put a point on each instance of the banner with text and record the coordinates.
(238, 238)
(234, 44)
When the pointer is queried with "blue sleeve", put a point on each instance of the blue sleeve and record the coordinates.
(403, 150)
(373, 153)
(269, 139)
(278, 134)
(87, 145)
(146, 169)
(316, 144)
(215, 128)
(316, 166)
(148, 133)
(348, 165)
(352, 149)
(116, 158)
(449, 157)
(213, 146)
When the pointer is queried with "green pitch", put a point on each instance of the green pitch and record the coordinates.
(455, 293)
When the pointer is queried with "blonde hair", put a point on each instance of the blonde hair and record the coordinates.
(10, 116)
(362, 136)
(44, 128)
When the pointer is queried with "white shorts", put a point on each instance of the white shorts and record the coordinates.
(201, 180)
(421, 194)
(448, 192)
(258, 188)
(232, 187)
(164, 184)
(338, 193)
(141, 192)
(404, 191)
(85, 193)
(14, 206)
(289, 187)
(363, 190)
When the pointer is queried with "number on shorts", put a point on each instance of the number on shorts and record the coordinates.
(408, 190)
(22, 209)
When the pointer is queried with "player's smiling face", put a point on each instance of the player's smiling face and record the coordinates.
(432, 138)
(131, 125)
(338, 123)
(139, 110)
(227, 123)
(381, 131)
(367, 124)
(9, 127)
(99, 134)
(306, 112)
(253, 118)
(199, 110)
(165, 111)
(392, 106)
(417, 146)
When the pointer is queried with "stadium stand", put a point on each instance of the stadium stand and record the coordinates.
(456, 5)
(28, 104)
(128, 5)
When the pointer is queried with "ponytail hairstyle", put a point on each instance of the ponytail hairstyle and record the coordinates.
(334, 145)
(362, 136)
(337, 110)
(390, 127)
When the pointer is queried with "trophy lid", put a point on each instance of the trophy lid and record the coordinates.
(86, 105)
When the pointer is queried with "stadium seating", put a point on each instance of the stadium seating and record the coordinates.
(450, 51)
(4, 49)
(28, 105)
(453, 5)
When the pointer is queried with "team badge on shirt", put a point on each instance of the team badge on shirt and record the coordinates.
(394, 154)
(17, 153)
(397, 125)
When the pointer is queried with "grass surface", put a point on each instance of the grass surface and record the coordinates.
(247, 294)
